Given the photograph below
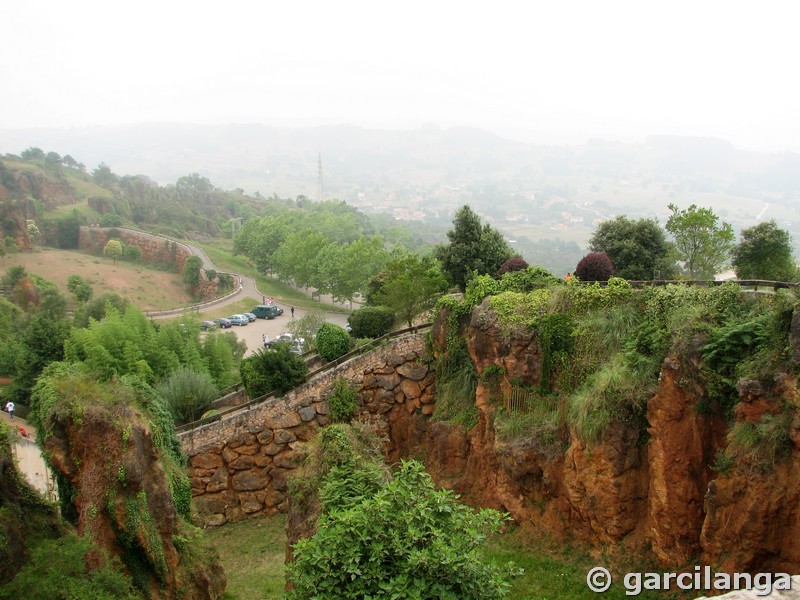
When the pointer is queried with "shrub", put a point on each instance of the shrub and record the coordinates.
(343, 403)
(595, 266)
(404, 540)
(188, 394)
(456, 381)
(332, 341)
(371, 321)
(276, 370)
(515, 263)
(58, 569)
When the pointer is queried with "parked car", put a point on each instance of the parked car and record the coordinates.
(208, 325)
(223, 323)
(296, 344)
(238, 320)
(267, 311)
(250, 316)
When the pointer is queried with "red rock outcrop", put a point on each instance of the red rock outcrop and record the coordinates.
(123, 498)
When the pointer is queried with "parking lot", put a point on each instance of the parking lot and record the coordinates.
(252, 333)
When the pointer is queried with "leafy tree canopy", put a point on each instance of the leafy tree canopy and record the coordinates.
(701, 242)
(393, 538)
(473, 248)
(276, 370)
(408, 285)
(764, 252)
(639, 249)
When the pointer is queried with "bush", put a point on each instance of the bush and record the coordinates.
(515, 263)
(371, 321)
(188, 394)
(332, 341)
(343, 402)
(276, 371)
(58, 569)
(595, 266)
(404, 540)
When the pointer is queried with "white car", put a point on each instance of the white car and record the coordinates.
(296, 344)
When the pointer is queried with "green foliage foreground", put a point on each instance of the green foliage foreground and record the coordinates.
(394, 537)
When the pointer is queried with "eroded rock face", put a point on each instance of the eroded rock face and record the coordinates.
(682, 447)
(752, 515)
(123, 498)
(664, 492)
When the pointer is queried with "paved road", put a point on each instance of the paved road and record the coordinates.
(252, 333)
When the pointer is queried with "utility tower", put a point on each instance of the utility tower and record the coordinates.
(319, 179)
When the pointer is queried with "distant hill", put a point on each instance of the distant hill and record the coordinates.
(526, 190)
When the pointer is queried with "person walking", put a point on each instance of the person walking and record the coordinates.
(292, 310)
(10, 409)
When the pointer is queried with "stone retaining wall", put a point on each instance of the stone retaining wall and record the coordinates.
(239, 466)
(155, 249)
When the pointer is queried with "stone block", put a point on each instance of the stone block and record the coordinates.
(215, 503)
(272, 449)
(410, 388)
(248, 449)
(265, 437)
(250, 502)
(413, 371)
(206, 461)
(291, 459)
(284, 436)
(248, 481)
(242, 463)
(307, 413)
(286, 420)
(218, 482)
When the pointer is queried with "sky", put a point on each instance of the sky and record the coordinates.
(554, 71)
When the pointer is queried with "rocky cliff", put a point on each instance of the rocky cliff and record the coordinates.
(122, 488)
(653, 484)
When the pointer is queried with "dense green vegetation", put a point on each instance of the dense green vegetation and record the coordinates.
(602, 349)
(389, 535)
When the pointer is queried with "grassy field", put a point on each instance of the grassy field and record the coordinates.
(147, 288)
(253, 551)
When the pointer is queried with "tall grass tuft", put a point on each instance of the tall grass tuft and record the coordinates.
(456, 382)
(616, 391)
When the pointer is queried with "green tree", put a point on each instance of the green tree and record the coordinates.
(191, 271)
(68, 231)
(472, 248)
(33, 153)
(701, 242)
(409, 285)
(79, 288)
(113, 250)
(404, 540)
(639, 249)
(276, 370)
(764, 252)
(343, 270)
(371, 321)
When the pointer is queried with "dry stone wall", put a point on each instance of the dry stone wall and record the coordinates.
(239, 466)
(155, 249)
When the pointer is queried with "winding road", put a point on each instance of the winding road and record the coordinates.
(253, 333)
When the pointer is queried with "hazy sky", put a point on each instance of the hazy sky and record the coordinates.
(543, 71)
